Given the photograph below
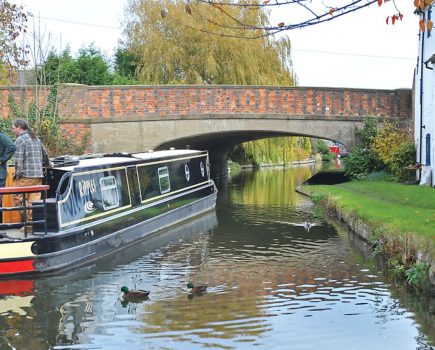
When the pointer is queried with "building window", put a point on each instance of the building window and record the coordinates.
(427, 149)
(109, 192)
(164, 183)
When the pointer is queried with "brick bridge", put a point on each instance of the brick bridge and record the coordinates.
(137, 118)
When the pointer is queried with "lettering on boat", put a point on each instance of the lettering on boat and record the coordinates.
(87, 187)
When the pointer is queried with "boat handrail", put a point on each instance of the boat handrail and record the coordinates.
(60, 184)
(23, 208)
(23, 189)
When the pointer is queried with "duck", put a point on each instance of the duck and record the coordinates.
(135, 294)
(306, 225)
(199, 289)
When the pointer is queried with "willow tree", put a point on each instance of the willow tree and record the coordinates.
(173, 44)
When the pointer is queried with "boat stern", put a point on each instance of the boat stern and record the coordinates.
(16, 257)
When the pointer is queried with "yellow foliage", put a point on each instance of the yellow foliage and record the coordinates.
(4, 74)
(387, 140)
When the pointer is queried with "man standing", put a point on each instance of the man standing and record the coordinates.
(29, 159)
(7, 149)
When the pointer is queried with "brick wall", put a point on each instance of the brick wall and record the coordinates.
(182, 101)
(78, 134)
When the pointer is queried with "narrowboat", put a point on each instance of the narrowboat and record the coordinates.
(95, 205)
(178, 237)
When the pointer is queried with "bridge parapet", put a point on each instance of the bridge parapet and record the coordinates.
(180, 101)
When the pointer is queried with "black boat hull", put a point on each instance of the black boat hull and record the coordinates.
(110, 243)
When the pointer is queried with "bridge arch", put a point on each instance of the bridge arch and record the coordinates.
(222, 135)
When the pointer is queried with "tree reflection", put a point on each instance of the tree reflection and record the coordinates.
(268, 187)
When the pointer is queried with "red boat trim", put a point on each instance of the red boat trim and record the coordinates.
(16, 287)
(17, 266)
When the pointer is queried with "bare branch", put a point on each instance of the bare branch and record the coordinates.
(315, 13)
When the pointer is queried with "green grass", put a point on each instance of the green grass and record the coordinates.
(395, 207)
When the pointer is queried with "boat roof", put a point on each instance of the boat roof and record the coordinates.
(120, 158)
(165, 153)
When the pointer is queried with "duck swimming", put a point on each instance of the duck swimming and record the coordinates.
(199, 289)
(306, 225)
(135, 294)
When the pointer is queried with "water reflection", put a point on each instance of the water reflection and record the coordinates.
(62, 309)
(269, 187)
(272, 284)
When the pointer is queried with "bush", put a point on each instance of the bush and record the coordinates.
(403, 156)
(360, 162)
(385, 148)
(320, 147)
(418, 276)
(388, 139)
(368, 133)
(318, 197)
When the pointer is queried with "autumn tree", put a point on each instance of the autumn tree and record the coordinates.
(12, 24)
(171, 48)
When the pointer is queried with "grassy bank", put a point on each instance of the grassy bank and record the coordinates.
(395, 207)
(401, 218)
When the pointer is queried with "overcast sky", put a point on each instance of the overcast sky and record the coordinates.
(358, 50)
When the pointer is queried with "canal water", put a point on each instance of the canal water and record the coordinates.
(279, 277)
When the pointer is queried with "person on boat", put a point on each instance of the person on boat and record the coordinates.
(29, 159)
(7, 150)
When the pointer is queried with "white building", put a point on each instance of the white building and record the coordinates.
(424, 97)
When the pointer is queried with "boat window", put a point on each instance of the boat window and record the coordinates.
(165, 184)
(109, 192)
